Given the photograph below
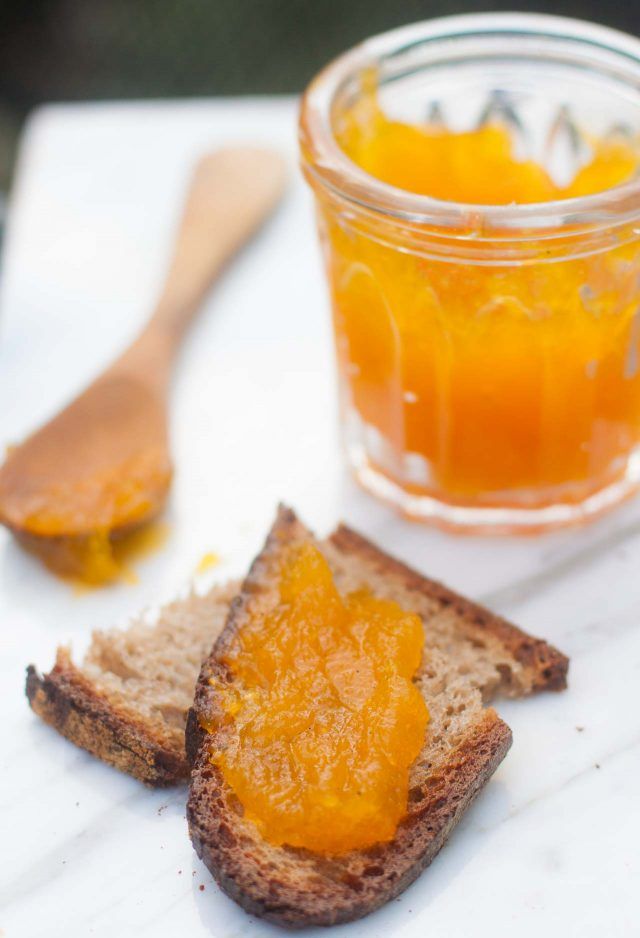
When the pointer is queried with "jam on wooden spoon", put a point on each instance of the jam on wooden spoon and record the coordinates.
(102, 467)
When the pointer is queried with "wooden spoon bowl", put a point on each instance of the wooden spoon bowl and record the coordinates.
(102, 467)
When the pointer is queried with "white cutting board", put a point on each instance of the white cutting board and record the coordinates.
(551, 845)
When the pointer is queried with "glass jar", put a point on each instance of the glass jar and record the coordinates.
(488, 356)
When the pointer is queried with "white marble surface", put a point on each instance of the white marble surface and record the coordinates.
(552, 846)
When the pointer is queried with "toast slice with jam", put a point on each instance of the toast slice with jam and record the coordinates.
(469, 657)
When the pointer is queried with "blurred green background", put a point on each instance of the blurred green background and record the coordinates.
(98, 49)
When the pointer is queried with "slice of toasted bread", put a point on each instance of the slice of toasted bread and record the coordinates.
(128, 701)
(469, 654)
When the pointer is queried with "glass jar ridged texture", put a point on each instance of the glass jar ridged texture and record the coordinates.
(487, 354)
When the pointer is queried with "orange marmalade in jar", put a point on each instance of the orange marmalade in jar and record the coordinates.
(478, 195)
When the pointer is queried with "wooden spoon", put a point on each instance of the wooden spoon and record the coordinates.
(102, 467)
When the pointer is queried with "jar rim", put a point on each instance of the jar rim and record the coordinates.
(327, 163)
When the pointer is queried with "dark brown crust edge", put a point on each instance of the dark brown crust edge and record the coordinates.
(547, 667)
(393, 867)
(67, 701)
(333, 894)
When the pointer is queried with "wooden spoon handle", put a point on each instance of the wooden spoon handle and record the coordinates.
(231, 193)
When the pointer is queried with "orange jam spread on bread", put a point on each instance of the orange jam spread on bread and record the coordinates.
(322, 720)
(501, 382)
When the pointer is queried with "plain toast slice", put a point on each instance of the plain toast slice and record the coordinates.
(470, 655)
(127, 703)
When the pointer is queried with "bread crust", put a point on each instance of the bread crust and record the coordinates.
(543, 666)
(111, 725)
(66, 700)
(295, 887)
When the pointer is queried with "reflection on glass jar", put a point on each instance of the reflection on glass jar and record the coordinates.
(487, 353)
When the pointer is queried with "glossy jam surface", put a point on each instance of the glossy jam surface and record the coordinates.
(483, 382)
(322, 720)
(207, 562)
(477, 166)
(98, 559)
(88, 528)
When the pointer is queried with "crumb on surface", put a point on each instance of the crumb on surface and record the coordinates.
(201, 887)
(580, 729)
